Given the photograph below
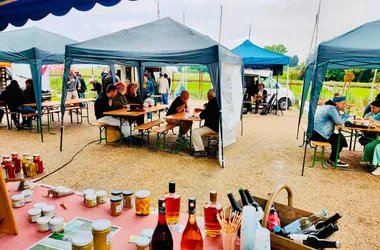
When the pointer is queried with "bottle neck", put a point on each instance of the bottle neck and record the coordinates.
(162, 219)
(192, 219)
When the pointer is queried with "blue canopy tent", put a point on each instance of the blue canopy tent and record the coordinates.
(358, 48)
(133, 47)
(35, 47)
(258, 58)
(19, 12)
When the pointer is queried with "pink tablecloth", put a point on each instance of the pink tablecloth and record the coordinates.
(130, 223)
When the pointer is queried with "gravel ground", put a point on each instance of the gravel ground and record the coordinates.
(264, 157)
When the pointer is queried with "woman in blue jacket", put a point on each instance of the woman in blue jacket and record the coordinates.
(325, 120)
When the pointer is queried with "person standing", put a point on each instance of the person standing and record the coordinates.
(81, 88)
(97, 86)
(72, 85)
(211, 115)
(163, 89)
(169, 81)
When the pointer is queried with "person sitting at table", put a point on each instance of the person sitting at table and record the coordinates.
(326, 117)
(29, 97)
(261, 96)
(179, 105)
(211, 116)
(2, 112)
(371, 155)
(132, 98)
(103, 104)
(373, 115)
(149, 91)
(14, 98)
(97, 86)
(120, 100)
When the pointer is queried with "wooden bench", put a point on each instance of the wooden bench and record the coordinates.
(213, 136)
(163, 130)
(74, 109)
(146, 127)
(31, 115)
(102, 127)
(323, 145)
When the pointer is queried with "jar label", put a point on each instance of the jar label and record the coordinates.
(54, 228)
(18, 203)
(118, 209)
(94, 202)
(36, 217)
(102, 200)
(28, 198)
(108, 239)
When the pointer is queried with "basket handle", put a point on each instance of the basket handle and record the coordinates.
(271, 202)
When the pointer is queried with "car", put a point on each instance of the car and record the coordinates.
(285, 98)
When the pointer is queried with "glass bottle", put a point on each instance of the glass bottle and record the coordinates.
(31, 167)
(304, 223)
(243, 197)
(274, 223)
(191, 236)
(9, 168)
(326, 232)
(173, 205)
(234, 204)
(16, 161)
(24, 163)
(252, 201)
(314, 242)
(322, 224)
(162, 238)
(211, 209)
(39, 163)
(5, 173)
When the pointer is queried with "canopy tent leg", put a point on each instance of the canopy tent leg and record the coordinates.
(113, 73)
(304, 157)
(372, 87)
(68, 62)
(140, 69)
(35, 68)
(287, 88)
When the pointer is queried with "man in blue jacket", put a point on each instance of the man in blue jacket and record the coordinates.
(325, 120)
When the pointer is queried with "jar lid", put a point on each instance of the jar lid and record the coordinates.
(116, 192)
(25, 154)
(82, 239)
(142, 241)
(90, 197)
(7, 159)
(147, 233)
(48, 208)
(6, 156)
(29, 158)
(36, 154)
(127, 192)
(56, 221)
(18, 197)
(101, 193)
(39, 205)
(142, 194)
(100, 225)
(34, 211)
(115, 198)
(27, 192)
(44, 220)
(88, 191)
(14, 153)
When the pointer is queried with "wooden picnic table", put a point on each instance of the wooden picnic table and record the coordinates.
(182, 117)
(130, 116)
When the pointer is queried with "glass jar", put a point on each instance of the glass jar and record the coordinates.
(39, 163)
(43, 224)
(32, 166)
(9, 169)
(28, 195)
(116, 205)
(16, 161)
(39, 205)
(147, 233)
(48, 210)
(18, 200)
(24, 160)
(34, 214)
(142, 202)
(82, 241)
(90, 200)
(87, 192)
(127, 198)
(101, 230)
(116, 192)
(56, 225)
(101, 196)
(142, 243)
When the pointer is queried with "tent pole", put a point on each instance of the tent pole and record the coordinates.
(304, 157)
(372, 87)
(287, 89)
(220, 23)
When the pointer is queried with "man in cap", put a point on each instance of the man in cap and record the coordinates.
(325, 120)
(120, 100)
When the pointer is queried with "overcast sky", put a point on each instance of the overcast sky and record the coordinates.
(288, 22)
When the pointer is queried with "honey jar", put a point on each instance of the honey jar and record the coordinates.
(116, 205)
(90, 200)
(56, 225)
(34, 214)
(116, 192)
(101, 230)
(18, 200)
(127, 198)
(142, 202)
(43, 224)
(86, 192)
(48, 210)
(28, 195)
(82, 241)
(142, 243)
(147, 233)
(101, 196)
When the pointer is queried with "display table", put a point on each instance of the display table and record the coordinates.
(130, 223)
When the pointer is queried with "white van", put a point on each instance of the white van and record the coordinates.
(254, 77)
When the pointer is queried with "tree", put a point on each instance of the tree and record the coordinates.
(335, 75)
(280, 48)
(293, 61)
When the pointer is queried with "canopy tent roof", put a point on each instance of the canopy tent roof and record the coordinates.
(166, 41)
(174, 43)
(259, 58)
(19, 12)
(358, 48)
(24, 45)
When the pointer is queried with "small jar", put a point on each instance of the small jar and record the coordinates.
(39, 205)
(147, 233)
(56, 225)
(116, 192)
(18, 200)
(31, 166)
(101, 196)
(101, 230)
(39, 163)
(142, 243)
(142, 202)
(48, 210)
(116, 205)
(28, 195)
(10, 170)
(86, 192)
(16, 161)
(34, 214)
(43, 224)
(82, 241)
(90, 200)
(127, 198)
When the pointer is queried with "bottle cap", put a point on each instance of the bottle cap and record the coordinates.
(127, 192)
(192, 205)
(213, 196)
(115, 199)
(172, 187)
(142, 194)
(161, 206)
(116, 192)
(324, 212)
(101, 225)
(337, 244)
(276, 229)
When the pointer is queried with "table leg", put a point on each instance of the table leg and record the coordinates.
(130, 131)
(48, 118)
(352, 132)
(337, 150)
